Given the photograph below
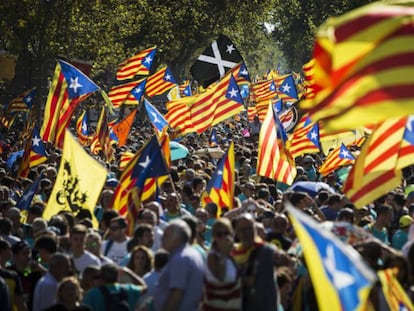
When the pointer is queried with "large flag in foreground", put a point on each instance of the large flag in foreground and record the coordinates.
(274, 160)
(220, 188)
(69, 87)
(76, 186)
(363, 71)
(215, 61)
(139, 64)
(341, 279)
(375, 170)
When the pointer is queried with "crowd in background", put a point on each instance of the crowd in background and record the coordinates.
(182, 255)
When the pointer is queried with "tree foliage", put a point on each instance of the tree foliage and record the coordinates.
(108, 31)
(296, 23)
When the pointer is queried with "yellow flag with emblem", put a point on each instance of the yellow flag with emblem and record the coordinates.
(79, 181)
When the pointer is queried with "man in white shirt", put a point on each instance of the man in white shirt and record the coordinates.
(81, 257)
(115, 248)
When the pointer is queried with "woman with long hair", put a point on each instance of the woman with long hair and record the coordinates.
(141, 261)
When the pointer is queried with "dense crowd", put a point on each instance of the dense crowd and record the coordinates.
(182, 255)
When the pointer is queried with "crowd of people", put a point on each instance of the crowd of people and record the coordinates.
(182, 255)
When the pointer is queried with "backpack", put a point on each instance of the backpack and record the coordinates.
(116, 300)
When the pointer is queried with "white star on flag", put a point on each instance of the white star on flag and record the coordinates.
(233, 93)
(26, 196)
(345, 153)
(148, 60)
(286, 88)
(146, 162)
(340, 279)
(313, 135)
(244, 72)
(35, 141)
(137, 90)
(156, 120)
(29, 99)
(230, 48)
(84, 127)
(167, 77)
(219, 173)
(74, 84)
(409, 125)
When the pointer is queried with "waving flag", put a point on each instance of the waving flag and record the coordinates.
(79, 181)
(394, 293)
(264, 90)
(185, 88)
(339, 276)
(122, 128)
(215, 61)
(216, 104)
(179, 116)
(101, 140)
(138, 177)
(287, 89)
(363, 75)
(160, 82)
(374, 172)
(82, 130)
(26, 199)
(34, 154)
(69, 87)
(220, 188)
(139, 64)
(274, 161)
(127, 94)
(156, 118)
(23, 102)
(305, 140)
(338, 157)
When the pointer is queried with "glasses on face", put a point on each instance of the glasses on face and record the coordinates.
(92, 244)
(222, 234)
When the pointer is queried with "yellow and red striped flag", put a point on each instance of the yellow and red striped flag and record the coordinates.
(220, 188)
(124, 160)
(304, 140)
(128, 93)
(69, 87)
(139, 64)
(179, 115)
(274, 160)
(139, 178)
(160, 82)
(34, 155)
(394, 293)
(23, 102)
(82, 131)
(374, 172)
(101, 140)
(364, 66)
(338, 157)
(217, 104)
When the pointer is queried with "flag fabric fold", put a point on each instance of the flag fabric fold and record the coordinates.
(122, 128)
(160, 82)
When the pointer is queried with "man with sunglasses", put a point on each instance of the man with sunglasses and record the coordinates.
(115, 248)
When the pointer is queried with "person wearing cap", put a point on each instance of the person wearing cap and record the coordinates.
(400, 236)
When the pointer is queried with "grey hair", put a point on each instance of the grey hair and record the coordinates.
(181, 229)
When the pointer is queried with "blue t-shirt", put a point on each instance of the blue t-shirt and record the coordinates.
(96, 300)
(399, 238)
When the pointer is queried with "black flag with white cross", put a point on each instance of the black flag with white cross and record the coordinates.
(215, 61)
